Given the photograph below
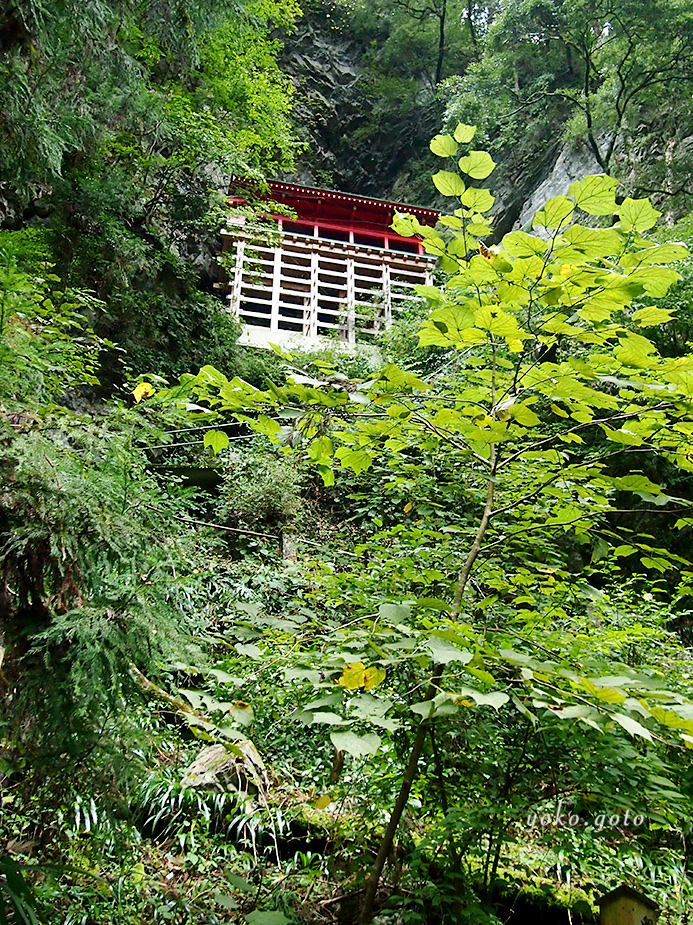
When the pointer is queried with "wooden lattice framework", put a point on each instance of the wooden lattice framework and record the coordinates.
(334, 269)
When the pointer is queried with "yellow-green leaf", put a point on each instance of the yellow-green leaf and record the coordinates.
(477, 164)
(638, 215)
(651, 315)
(448, 183)
(464, 133)
(478, 199)
(444, 145)
(595, 194)
(372, 677)
(352, 676)
(217, 440)
(557, 212)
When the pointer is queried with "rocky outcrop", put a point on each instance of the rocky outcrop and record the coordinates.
(571, 164)
(357, 141)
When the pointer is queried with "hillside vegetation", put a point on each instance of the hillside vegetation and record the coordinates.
(398, 636)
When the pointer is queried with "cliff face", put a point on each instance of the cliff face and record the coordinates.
(366, 136)
(362, 136)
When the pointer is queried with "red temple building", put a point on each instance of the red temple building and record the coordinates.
(334, 269)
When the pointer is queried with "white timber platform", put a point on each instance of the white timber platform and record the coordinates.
(294, 289)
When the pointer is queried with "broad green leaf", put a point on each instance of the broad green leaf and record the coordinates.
(495, 699)
(395, 613)
(449, 184)
(477, 164)
(239, 883)
(656, 281)
(651, 315)
(267, 426)
(444, 145)
(444, 652)
(329, 719)
(321, 450)
(632, 726)
(524, 415)
(637, 215)
(660, 253)
(249, 650)
(636, 482)
(635, 350)
(595, 195)
(521, 244)
(302, 674)
(357, 746)
(323, 802)
(588, 242)
(446, 326)
(356, 459)
(478, 199)
(430, 293)
(260, 917)
(464, 133)
(577, 711)
(556, 213)
(217, 440)
(441, 705)
(405, 225)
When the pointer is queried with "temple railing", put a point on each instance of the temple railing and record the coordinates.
(294, 288)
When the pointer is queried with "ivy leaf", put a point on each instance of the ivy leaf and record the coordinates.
(477, 164)
(357, 746)
(444, 145)
(595, 195)
(449, 184)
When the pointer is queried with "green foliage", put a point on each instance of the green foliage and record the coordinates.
(470, 616)
(616, 73)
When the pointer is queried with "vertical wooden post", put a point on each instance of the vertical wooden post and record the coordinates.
(237, 286)
(276, 288)
(310, 312)
(350, 302)
(387, 296)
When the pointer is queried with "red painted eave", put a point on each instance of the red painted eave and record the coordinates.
(315, 205)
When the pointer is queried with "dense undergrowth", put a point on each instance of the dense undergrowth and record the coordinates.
(134, 637)
(277, 580)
